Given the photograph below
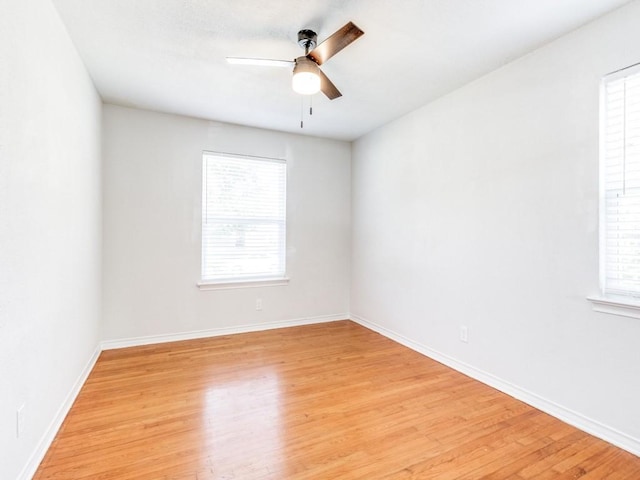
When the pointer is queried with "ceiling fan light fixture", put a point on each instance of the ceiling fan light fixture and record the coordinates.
(306, 79)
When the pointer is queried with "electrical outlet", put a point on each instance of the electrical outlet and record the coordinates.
(20, 421)
(258, 304)
(464, 334)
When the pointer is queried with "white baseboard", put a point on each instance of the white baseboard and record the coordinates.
(216, 332)
(567, 415)
(38, 454)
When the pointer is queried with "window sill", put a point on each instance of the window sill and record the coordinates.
(622, 306)
(229, 284)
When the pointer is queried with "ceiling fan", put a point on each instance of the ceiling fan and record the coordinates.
(307, 76)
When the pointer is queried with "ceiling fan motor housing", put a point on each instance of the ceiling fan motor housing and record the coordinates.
(307, 39)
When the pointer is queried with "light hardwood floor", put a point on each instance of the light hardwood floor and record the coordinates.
(329, 401)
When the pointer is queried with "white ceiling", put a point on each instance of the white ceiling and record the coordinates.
(169, 55)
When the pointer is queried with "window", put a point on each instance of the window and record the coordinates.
(243, 219)
(620, 184)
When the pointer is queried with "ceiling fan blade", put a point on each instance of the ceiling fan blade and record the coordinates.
(327, 87)
(336, 42)
(261, 62)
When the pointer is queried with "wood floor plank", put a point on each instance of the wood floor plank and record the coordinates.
(330, 401)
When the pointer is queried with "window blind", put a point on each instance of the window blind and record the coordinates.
(243, 218)
(620, 183)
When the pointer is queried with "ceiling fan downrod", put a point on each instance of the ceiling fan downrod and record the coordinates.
(308, 40)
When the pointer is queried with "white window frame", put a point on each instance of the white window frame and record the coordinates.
(278, 275)
(613, 300)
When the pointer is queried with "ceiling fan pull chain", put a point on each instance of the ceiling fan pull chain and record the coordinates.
(301, 111)
(310, 105)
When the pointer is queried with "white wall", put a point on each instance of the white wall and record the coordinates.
(50, 226)
(481, 209)
(152, 214)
